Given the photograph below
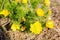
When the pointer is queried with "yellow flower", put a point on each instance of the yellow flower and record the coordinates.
(49, 11)
(15, 27)
(23, 28)
(5, 12)
(23, 19)
(36, 28)
(17, 1)
(40, 12)
(47, 2)
(49, 24)
(25, 1)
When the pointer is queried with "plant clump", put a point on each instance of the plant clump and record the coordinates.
(27, 15)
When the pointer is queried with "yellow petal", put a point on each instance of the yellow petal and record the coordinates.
(23, 28)
(40, 12)
(17, 1)
(15, 27)
(49, 24)
(49, 11)
(36, 28)
(24, 1)
(5, 12)
(23, 19)
(47, 2)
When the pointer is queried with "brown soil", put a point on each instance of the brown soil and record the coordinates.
(47, 34)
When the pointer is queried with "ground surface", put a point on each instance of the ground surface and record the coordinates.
(47, 34)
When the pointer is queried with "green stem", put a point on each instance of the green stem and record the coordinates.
(4, 28)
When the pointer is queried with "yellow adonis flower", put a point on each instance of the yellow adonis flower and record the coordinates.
(36, 28)
(49, 11)
(47, 2)
(15, 27)
(5, 12)
(17, 1)
(25, 1)
(23, 28)
(40, 12)
(49, 24)
(23, 19)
